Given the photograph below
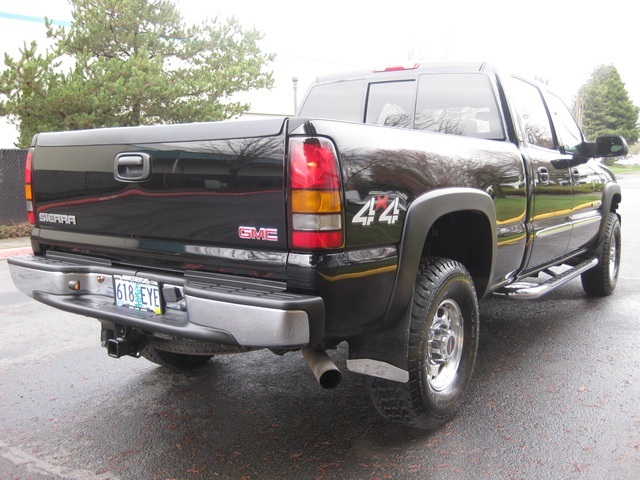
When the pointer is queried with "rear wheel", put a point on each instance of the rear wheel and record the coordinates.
(601, 280)
(443, 341)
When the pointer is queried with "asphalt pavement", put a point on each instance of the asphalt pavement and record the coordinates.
(14, 246)
(555, 395)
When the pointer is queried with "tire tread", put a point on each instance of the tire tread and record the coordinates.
(596, 281)
(404, 403)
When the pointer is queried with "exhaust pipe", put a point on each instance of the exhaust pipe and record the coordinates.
(322, 366)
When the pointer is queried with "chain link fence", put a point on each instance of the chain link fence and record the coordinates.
(13, 209)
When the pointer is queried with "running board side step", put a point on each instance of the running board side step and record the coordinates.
(530, 290)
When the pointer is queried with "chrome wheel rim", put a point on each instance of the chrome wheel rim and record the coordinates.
(614, 260)
(444, 345)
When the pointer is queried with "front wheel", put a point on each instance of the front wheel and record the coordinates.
(601, 280)
(443, 342)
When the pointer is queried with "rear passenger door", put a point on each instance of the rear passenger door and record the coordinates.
(549, 215)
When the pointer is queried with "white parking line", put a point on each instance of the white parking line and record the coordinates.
(37, 466)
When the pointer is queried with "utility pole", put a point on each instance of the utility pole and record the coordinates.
(295, 95)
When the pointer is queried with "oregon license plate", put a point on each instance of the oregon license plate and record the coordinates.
(137, 293)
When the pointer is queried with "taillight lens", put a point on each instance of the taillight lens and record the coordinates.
(315, 201)
(28, 192)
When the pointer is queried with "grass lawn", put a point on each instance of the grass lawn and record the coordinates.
(625, 168)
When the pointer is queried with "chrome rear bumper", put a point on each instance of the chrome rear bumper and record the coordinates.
(216, 308)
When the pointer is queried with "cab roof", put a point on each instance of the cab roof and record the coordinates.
(405, 71)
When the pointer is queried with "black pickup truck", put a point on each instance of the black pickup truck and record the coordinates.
(377, 216)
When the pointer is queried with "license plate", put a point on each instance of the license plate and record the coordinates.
(137, 293)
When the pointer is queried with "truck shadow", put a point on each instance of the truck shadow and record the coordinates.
(260, 415)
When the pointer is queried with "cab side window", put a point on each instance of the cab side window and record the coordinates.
(458, 104)
(532, 113)
(567, 130)
(336, 101)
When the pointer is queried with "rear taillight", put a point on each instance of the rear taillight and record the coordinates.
(315, 205)
(28, 192)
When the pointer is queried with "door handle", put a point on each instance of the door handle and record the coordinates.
(543, 175)
(575, 176)
(132, 167)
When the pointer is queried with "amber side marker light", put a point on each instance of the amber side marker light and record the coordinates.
(315, 203)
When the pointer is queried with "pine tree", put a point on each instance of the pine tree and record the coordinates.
(603, 106)
(131, 62)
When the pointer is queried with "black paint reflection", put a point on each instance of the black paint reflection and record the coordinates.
(200, 191)
(408, 164)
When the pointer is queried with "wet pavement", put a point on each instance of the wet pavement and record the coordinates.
(14, 246)
(556, 394)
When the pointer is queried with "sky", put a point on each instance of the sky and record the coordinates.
(559, 41)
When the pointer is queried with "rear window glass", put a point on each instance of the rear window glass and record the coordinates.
(336, 101)
(454, 103)
(459, 104)
(391, 104)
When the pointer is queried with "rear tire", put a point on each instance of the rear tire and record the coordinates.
(443, 342)
(601, 280)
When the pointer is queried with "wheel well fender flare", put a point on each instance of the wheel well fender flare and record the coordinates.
(421, 216)
(611, 197)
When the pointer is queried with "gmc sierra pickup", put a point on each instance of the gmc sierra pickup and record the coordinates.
(377, 216)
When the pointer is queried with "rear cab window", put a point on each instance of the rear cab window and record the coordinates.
(453, 103)
(391, 104)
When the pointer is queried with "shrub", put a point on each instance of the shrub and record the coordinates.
(15, 230)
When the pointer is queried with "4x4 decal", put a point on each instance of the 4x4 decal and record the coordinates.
(381, 208)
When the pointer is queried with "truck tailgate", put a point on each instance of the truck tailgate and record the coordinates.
(211, 184)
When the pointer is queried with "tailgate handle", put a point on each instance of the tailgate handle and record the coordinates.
(132, 167)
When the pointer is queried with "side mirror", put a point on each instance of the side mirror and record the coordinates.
(611, 146)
